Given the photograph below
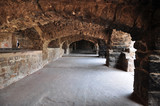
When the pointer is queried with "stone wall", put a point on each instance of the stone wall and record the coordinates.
(28, 39)
(141, 71)
(5, 40)
(102, 48)
(147, 72)
(154, 78)
(127, 59)
(54, 44)
(14, 66)
(54, 19)
(17, 65)
(154, 63)
(117, 50)
(54, 53)
(117, 13)
(147, 69)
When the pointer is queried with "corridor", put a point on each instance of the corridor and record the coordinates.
(73, 80)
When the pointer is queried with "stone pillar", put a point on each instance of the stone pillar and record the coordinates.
(67, 50)
(147, 63)
(154, 79)
(97, 49)
(112, 58)
(119, 43)
(147, 72)
(154, 72)
(45, 52)
(141, 71)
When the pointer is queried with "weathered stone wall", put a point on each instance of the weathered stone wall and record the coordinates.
(141, 71)
(130, 56)
(54, 53)
(65, 47)
(39, 21)
(147, 72)
(118, 14)
(17, 65)
(154, 59)
(154, 78)
(119, 43)
(127, 58)
(55, 44)
(102, 47)
(14, 66)
(28, 39)
(5, 40)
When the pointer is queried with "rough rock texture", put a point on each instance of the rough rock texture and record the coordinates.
(5, 40)
(33, 21)
(29, 39)
(114, 12)
(14, 66)
(154, 65)
(54, 53)
(119, 54)
(141, 71)
(36, 23)
(148, 61)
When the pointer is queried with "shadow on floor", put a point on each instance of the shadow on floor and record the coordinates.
(134, 98)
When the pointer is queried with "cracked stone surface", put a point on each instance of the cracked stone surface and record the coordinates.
(74, 80)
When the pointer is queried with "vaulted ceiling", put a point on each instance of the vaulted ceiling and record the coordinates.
(74, 16)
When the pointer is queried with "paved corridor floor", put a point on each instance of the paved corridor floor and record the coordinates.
(72, 81)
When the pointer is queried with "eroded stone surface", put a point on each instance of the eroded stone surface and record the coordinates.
(36, 23)
(15, 66)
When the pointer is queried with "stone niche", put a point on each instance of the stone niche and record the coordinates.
(121, 53)
(5, 40)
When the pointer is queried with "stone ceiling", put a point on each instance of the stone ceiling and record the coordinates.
(88, 17)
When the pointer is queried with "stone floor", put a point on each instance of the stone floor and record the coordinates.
(72, 80)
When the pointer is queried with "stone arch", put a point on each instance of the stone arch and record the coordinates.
(87, 39)
(121, 53)
(68, 40)
(54, 44)
(119, 14)
(146, 51)
(77, 46)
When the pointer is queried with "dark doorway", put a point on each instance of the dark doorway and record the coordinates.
(83, 47)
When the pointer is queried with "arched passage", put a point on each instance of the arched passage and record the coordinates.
(54, 44)
(83, 46)
(120, 51)
(57, 19)
(52, 50)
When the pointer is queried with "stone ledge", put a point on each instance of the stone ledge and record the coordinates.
(18, 53)
(15, 66)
